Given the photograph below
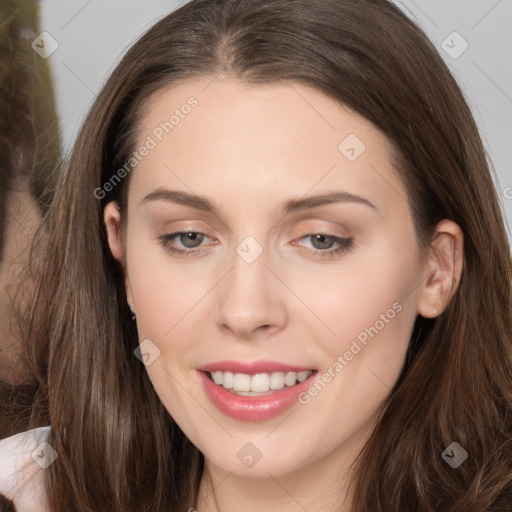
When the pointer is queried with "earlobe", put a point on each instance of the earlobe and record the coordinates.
(443, 269)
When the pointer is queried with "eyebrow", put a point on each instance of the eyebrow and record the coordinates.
(290, 206)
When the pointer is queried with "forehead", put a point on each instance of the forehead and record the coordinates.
(234, 104)
(221, 134)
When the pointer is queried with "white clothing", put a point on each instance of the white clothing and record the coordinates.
(24, 458)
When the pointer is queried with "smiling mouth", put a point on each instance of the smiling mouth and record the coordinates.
(260, 384)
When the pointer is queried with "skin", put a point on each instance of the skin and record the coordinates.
(249, 149)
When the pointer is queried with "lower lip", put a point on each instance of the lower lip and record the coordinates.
(253, 408)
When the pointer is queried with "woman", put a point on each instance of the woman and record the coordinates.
(278, 276)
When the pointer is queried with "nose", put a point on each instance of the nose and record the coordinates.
(250, 300)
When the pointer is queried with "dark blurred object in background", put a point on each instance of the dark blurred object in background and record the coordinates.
(30, 158)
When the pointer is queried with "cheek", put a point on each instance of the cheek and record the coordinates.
(367, 290)
(371, 313)
(163, 292)
(164, 298)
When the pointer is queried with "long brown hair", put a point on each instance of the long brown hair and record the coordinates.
(119, 450)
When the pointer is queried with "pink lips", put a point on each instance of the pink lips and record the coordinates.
(253, 408)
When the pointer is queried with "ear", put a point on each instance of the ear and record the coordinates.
(443, 269)
(112, 219)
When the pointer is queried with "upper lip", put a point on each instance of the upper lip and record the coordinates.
(252, 368)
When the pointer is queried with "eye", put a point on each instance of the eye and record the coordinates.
(190, 240)
(328, 245)
(190, 243)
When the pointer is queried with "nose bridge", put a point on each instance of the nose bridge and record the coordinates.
(249, 297)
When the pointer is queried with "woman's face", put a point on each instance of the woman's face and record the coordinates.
(298, 255)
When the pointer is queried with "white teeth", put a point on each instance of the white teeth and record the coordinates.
(277, 380)
(290, 379)
(260, 383)
(227, 380)
(242, 382)
(302, 376)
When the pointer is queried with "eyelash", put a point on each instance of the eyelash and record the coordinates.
(345, 244)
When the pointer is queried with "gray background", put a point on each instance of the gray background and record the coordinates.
(93, 34)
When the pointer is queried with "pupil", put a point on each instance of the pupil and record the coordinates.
(325, 241)
(191, 237)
